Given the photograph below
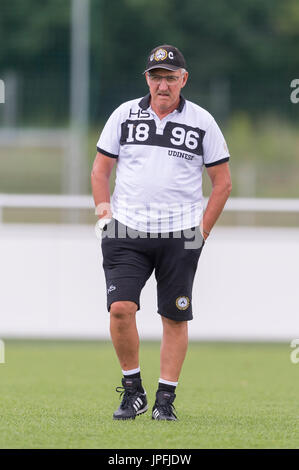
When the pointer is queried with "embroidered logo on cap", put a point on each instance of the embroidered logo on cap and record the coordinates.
(160, 54)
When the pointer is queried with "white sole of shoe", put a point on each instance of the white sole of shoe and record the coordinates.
(143, 410)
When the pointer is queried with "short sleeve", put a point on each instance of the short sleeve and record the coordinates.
(108, 143)
(215, 150)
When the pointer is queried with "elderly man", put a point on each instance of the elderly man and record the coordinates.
(156, 220)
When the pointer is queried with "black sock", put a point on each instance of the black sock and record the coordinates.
(166, 387)
(133, 376)
(136, 376)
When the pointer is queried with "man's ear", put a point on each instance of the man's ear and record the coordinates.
(185, 79)
(147, 78)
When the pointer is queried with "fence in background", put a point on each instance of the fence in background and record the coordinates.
(69, 140)
(86, 202)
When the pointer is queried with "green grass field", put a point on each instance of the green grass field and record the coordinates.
(58, 394)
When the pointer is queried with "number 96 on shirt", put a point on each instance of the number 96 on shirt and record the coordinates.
(174, 135)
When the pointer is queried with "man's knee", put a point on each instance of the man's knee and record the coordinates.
(169, 324)
(123, 310)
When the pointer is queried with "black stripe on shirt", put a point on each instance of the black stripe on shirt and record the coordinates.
(176, 136)
(218, 162)
(111, 155)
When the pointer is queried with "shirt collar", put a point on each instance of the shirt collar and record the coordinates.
(144, 103)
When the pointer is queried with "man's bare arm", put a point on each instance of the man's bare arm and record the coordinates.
(221, 188)
(100, 176)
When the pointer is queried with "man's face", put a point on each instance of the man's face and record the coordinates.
(165, 87)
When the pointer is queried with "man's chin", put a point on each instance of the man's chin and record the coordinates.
(164, 100)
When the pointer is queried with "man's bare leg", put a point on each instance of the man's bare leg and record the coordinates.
(124, 333)
(173, 348)
(173, 351)
(125, 339)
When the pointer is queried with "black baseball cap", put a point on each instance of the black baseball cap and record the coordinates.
(165, 57)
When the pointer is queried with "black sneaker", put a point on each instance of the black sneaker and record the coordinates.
(134, 402)
(163, 407)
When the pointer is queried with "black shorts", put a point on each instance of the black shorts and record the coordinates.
(130, 257)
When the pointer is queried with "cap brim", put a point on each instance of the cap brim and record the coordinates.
(163, 66)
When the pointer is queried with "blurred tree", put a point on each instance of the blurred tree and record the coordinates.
(35, 33)
(251, 45)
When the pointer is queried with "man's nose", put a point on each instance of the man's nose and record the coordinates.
(163, 85)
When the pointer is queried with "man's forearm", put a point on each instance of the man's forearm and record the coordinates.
(101, 195)
(216, 203)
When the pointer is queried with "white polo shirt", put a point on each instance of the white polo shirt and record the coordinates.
(158, 185)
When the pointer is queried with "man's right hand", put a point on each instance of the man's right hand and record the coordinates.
(103, 210)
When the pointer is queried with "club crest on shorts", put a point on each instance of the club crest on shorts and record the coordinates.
(182, 303)
(160, 54)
